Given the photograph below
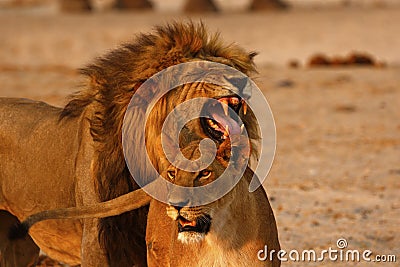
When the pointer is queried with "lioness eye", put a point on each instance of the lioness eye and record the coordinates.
(171, 175)
(205, 174)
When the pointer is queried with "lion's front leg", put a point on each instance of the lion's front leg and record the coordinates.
(92, 253)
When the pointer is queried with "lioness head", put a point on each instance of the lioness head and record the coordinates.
(194, 222)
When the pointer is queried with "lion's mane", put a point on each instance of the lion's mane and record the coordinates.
(111, 82)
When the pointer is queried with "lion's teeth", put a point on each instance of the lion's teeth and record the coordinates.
(241, 128)
(213, 124)
(225, 107)
(226, 133)
(234, 100)
(244, 108)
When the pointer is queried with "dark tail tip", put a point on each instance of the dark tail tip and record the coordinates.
(18, 231)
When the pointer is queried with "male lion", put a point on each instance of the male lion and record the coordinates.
(57, 158)
(229, 231)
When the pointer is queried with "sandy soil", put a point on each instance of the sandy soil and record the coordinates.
(336, 173)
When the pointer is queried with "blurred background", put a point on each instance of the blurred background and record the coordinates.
(281, 30)
(330, 70)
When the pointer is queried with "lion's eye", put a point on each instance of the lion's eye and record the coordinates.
(171, 175)
(204, 174)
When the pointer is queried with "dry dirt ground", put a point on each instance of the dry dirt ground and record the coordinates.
(336, 172)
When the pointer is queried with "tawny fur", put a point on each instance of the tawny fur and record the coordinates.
(242, 223)
(58, 158)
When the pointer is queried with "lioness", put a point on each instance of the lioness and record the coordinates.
(53, 158)
(227, 232)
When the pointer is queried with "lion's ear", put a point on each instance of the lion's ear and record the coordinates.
(252, 55)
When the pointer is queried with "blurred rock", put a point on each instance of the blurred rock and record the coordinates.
(100, 5)
(285, 83)
(197, 6)
(318, 60)
(353, 59)
(267, 4)
(294, 64)
(133, 4)
(75, 5)
(23, 3)
(345, 108)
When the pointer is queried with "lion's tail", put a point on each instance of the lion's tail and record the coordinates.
(113, 207)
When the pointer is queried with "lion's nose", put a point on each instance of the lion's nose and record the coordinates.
(178, 203)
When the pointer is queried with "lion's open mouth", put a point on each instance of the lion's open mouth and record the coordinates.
(221, 119)
(200, 225)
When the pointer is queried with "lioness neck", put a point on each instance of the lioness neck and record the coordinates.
(242, 225)
(241, 229)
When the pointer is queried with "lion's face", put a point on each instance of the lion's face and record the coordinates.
(195, 222)
(224, 113)
(217, 119)
(115, 78)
